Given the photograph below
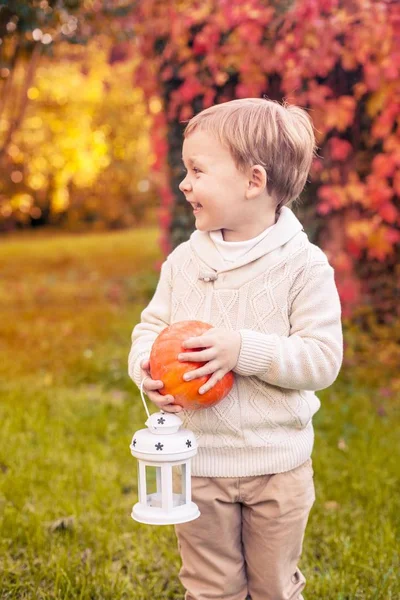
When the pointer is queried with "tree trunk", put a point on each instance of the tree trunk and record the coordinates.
(21, 103)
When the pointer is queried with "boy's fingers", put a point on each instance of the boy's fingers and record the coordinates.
(166, 403)
(172, 408)
(166, 400)
(163, 400)
(152, 384)
(169, 405)
(159, 399)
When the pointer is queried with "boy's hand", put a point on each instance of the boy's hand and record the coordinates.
(150, 386)
(221, 355)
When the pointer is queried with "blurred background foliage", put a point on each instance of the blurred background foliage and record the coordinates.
(95, 95)
(74, 131)
(338, 59)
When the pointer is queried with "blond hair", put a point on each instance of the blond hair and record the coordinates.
(279, 137)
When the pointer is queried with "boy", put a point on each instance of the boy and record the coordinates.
(250, 271)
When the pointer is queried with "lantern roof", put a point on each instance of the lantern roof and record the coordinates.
(163, 423)
(163, 440)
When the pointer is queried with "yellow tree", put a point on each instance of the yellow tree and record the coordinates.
(41, 116)
(82, 151)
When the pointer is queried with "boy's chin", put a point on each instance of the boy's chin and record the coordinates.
(205, 228)
(208, 229)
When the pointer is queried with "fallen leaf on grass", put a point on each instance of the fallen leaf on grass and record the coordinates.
(332, 505)
(117, 397)
(93, 391)
(63, 524)
(48, 379)
(86, 555)
(28, 506)
(386, 392)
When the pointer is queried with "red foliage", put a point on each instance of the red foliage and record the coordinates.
(338, 58)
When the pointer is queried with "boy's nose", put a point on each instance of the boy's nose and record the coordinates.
(185, 185)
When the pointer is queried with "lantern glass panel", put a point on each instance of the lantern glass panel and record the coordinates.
(177, 479)
(153, 485)
(151, 479)
(178, 484)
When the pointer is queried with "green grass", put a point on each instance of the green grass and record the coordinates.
(68, 411)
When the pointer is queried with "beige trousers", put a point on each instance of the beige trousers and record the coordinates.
(248, 539)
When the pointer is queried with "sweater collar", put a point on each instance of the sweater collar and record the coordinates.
(284, 230)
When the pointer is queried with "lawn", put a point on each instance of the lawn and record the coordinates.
(67, 414)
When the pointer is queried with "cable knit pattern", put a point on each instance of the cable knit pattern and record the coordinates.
(282, 298)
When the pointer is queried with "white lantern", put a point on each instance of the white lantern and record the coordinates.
(164, 446)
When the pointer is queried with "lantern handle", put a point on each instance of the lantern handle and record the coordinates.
(143, 400)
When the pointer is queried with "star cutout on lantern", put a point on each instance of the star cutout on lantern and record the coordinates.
(159, 446)
(134, 443)
(188, 443)
(161, 421)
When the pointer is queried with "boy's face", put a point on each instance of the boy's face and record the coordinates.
(213, 181)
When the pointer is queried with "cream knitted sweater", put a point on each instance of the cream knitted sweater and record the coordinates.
(282, 298)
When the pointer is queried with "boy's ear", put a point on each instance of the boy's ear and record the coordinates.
(257, 181)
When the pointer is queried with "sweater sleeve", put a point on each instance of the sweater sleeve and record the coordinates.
(311, 356)
(153, 319)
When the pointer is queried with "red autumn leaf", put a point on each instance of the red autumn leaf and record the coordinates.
(389, 213)
(378, 191)
(372, 76)
(383, 165)
(189, 90)
(199, 46)
(317, 94)
(340, 149)
(379, 244)
(396, 183)
(250, 32)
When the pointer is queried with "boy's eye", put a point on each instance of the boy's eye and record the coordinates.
(194, 169)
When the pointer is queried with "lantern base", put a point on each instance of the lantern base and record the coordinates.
(157, 516)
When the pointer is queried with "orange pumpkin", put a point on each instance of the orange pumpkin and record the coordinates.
(165, 366)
